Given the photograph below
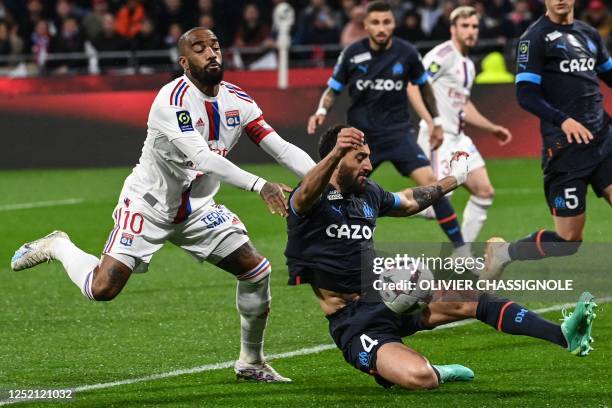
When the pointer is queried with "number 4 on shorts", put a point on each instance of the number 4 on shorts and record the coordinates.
(367, 343)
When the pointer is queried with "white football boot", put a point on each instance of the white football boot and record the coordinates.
(262, 372)
(494, 265)
(36, 252)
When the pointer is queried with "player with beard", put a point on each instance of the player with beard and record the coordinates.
(451, 73)
(376, 71)
(330, 246)
(193, 123)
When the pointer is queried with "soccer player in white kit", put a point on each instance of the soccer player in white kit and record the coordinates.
(452, 74)
(193, 123)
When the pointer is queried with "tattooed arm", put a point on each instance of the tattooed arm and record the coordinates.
(413, 200)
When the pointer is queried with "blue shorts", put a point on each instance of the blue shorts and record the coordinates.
(359, 329)
(401, 149)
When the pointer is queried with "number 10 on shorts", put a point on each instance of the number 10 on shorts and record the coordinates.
(133, 221)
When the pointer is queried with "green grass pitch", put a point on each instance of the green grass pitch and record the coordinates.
(181, 314)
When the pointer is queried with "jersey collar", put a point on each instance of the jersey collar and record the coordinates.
(201, 94)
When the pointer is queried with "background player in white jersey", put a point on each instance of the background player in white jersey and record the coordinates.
(194, 122)
(452, 73)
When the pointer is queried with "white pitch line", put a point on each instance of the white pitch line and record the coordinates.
(40, 204)
(288, 354)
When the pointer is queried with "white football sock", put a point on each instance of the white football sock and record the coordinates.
(474, 216)
(253, 303)
(78, 264)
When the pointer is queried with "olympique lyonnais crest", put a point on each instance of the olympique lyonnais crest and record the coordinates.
(232, 118)
(126, 239)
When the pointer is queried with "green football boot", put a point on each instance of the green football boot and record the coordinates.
(577, 326)
(454, 372)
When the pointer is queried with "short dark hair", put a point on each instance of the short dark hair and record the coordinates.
(378, 5)
(328, 139)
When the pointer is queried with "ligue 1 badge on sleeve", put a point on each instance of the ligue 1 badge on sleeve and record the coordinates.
(434, 68)
(523, 51)
(184, 121)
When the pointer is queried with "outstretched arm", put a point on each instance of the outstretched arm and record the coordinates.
(475, 118)
(287, 154)
(317, 179)
(325, 104)
(413, 200)
(209, 162)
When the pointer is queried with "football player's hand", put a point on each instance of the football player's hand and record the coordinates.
(436, 136)
(348, 139)
(315, 121)
(459, 166)
(502, 134)
(575, 132)
(273, 195)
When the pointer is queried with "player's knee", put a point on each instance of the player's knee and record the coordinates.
(486, 192)
(427, 178)
(103, 292)
(107, 284)
(418, 378)
(253, 291)
(257, 274)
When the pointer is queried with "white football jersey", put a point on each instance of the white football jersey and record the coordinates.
(451, 75)
(164, 177)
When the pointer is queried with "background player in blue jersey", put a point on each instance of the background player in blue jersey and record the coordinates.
(559, 63)
(330, 243)
(376, 71)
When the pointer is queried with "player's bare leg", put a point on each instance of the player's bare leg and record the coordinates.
(109, 278)
(481, 198)
(570, 228)
(405, 367)
(447, 307)
(253, 302)
(97, 280)
(444, 211)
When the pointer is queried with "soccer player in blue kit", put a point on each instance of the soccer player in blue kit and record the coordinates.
(559, 63)
(330, 245)
(376, 71)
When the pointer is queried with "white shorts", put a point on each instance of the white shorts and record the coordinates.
(210, 233)
(440, 158)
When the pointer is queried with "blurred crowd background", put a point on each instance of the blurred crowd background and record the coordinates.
(72, 36)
